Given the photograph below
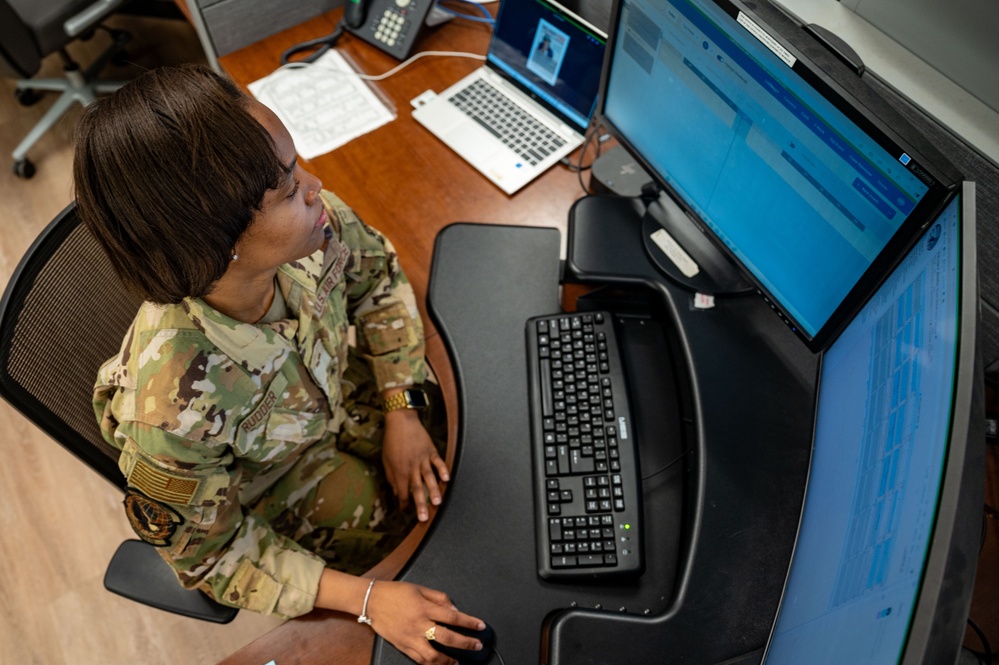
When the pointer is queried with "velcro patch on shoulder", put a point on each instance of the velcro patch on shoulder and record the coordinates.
(162, 485)
(153, 521)
(388, 329)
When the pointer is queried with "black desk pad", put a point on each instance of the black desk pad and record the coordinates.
(486, 282)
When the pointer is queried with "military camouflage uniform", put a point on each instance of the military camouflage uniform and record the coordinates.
(228, 430)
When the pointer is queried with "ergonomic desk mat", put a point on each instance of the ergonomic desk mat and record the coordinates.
(745, 494)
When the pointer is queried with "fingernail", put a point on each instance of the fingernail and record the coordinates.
(478, 646)
(436, 501)
(445, 477)
(480, 626)
(423, 516)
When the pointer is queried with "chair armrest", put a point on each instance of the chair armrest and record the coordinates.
(90, 16)
(138, 573)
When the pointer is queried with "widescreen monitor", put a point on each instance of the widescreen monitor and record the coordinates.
(781, 161)
(885, 549)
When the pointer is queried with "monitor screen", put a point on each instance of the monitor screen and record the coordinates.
(554, 54)
(794, 178)
(883, 423)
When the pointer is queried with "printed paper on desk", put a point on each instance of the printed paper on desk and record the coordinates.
(323, 105)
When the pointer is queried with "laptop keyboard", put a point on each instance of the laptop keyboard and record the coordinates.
(506, 121)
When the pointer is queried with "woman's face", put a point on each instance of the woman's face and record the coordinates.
(289, 224)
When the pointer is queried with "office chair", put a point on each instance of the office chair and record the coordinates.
(30, 30)
(63, 314)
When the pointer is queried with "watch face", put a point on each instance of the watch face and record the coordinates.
(417, 399)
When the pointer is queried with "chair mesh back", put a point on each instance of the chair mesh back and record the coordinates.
(65, 313)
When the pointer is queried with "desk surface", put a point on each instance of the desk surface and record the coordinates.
(406, 183)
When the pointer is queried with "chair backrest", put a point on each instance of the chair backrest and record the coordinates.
(63, 314)
(19, 53)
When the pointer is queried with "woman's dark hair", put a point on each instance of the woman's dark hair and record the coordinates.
(168, 173)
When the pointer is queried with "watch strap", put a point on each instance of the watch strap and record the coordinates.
(410, 398)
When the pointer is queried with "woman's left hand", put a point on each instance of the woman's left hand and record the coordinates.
(412, 464)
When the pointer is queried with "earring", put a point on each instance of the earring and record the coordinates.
(235, 256)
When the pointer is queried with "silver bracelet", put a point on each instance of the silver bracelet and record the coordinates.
(364, 618)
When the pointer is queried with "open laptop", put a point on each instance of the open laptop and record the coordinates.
(530, 104)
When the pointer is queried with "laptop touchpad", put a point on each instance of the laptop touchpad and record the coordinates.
(469, 140)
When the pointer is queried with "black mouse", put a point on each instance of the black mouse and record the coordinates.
(463, 656)
(353, 13)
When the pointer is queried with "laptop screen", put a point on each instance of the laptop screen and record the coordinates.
(553, 54)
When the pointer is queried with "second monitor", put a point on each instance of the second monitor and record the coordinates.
(795, 169)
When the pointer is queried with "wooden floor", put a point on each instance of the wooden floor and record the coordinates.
(60, 522)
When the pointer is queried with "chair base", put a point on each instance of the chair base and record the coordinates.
(77, 86)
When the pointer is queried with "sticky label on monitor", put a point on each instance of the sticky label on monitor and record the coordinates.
(767, 40)
(675, 253)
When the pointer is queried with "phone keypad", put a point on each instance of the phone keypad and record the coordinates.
(391, 27)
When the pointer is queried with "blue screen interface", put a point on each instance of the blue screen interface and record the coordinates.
(801, 195)
(882, 424)
(554, 54)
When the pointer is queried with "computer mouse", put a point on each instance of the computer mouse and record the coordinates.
(353, 12)
(464, 656)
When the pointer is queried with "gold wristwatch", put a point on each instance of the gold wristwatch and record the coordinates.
(410, 398)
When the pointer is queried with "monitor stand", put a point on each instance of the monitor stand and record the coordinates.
(684, 253)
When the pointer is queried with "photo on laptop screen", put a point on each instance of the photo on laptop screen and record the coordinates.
(530, 104)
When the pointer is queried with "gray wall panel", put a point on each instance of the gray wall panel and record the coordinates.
(957, 37)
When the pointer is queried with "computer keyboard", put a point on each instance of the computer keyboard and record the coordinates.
(506, 121)
(586, 481)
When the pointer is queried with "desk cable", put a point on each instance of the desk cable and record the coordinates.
(486, 17)
(307, 63)
(321, 45)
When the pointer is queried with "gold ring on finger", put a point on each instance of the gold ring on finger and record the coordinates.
(431, 633)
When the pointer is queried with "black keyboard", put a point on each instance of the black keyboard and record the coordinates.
(502, 118)
(586, 482)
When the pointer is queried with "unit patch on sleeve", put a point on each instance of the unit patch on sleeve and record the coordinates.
(153, 521)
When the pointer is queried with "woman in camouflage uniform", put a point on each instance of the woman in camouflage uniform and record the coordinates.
(249, 395)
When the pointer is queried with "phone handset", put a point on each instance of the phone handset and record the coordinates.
(353, 13)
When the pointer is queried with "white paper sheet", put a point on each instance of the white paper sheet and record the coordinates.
(324, 105)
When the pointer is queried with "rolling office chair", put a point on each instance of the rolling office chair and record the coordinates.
(63, 314)
(30, 30)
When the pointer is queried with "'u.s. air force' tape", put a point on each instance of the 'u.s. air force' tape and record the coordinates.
(675, 253)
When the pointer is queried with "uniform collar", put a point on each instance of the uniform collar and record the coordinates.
(257, 347)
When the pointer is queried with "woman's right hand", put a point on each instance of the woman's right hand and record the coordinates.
(402, 613)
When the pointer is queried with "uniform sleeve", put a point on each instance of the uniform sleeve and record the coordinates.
(381, 303)
(182, 497)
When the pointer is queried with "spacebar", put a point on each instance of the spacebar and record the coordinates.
(484, 124)
(546, 388)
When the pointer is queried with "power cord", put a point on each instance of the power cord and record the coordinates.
(985, 657)
(318, 47)
(486, 17)
(578, 167)
(668, 465)
(310, 62)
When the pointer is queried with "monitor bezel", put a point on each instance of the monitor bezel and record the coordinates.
(826, 72)
(938, 623)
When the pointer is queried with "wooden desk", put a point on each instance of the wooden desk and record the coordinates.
(407, 184)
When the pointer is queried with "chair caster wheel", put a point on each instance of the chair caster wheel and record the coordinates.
(23, 168)
(26, 97)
